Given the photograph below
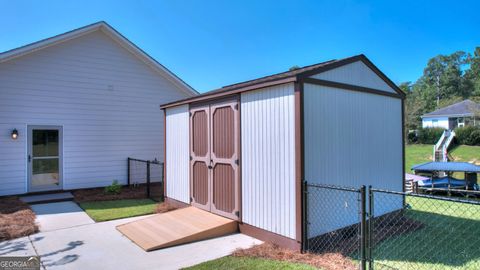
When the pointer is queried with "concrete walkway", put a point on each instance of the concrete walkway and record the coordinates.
(100, 245)
(60, 215)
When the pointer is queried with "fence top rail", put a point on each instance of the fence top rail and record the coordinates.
(141, 160)
(448, 199)
(332, 187)
(456, 190)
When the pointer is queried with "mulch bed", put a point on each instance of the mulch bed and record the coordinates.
(17, 219)
(164, 207)
(329, 261)
(335, 248)
(98, 194)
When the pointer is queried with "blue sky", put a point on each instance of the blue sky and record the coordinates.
(214, 43)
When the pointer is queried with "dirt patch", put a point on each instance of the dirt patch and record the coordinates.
(17, 219)
(99, 194)
(346, 241)
(394, 224)
(164, 207)
(329, 261)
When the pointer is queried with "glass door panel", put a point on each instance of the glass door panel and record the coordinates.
(44, 158)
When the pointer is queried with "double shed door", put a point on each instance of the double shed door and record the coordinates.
(214, 160)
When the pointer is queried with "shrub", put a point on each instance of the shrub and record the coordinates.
(429, 135)
(114, 188)
(468, 135)
(474, 138)
(412, 137)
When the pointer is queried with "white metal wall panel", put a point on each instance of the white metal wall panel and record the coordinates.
(356, 73)
(178, 154)
(351, 139)
(106, 99)
(268, 159)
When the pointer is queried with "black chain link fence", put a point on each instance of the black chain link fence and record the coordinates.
(147, 175)
(381, 229)
(334, 220)
(413, 231)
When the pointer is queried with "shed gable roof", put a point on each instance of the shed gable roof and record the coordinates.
(285, 77)
(463, 108)
(110, 32)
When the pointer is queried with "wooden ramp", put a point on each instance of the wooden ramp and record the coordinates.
(177, 227)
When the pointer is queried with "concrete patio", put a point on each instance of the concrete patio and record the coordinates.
(100, 245)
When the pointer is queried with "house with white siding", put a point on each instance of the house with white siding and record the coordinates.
(460, 114)
(73, 107)
(244, 151)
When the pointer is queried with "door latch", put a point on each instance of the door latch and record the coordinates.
(29, 158)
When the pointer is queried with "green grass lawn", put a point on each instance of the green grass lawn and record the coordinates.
(108, 210)
(230, 262)
(449, 239)
(420, 153)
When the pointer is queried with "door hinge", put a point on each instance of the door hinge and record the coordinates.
(191, 158)
(237, 213)
(236, 107)
(190, 114)
(191, 199)
(236, 161)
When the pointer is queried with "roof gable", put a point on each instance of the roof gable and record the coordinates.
(463, 108)
(110, 32)
(292, 76)
(356, 73)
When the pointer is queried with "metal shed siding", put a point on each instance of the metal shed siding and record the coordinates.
(178, 153)
(356, 73)
(105, 98)
(268, 159)
(351, 139)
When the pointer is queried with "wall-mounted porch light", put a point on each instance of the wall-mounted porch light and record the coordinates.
(14, 134)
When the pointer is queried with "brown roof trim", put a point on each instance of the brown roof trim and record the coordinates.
(227, 92)
(285, 77)
(350, 87)
(350, 60)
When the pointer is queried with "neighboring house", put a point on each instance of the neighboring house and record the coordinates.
(80, 104)
(243, 151)
(460, 114)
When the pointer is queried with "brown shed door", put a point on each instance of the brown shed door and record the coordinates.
(215, 174)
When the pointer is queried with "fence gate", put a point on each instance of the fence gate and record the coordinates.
(146, 175)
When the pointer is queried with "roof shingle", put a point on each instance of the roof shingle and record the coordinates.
(463, 108)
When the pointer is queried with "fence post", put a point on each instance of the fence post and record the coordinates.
(148, 178)
(370, 228)
(305, 217)
(128, 171)
(363, 230)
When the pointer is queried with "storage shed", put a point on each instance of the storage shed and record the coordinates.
(243, 151)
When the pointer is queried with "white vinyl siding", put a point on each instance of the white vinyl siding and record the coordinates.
(435, 122)
(356, 73)
(268, 159)
(351, 139)
(104, 97)
(178, 154)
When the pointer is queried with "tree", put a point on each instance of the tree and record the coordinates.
(472, 75)
(444, 76)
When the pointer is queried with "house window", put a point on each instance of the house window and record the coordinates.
(461, 122)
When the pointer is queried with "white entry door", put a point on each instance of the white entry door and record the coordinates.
(44, 158)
